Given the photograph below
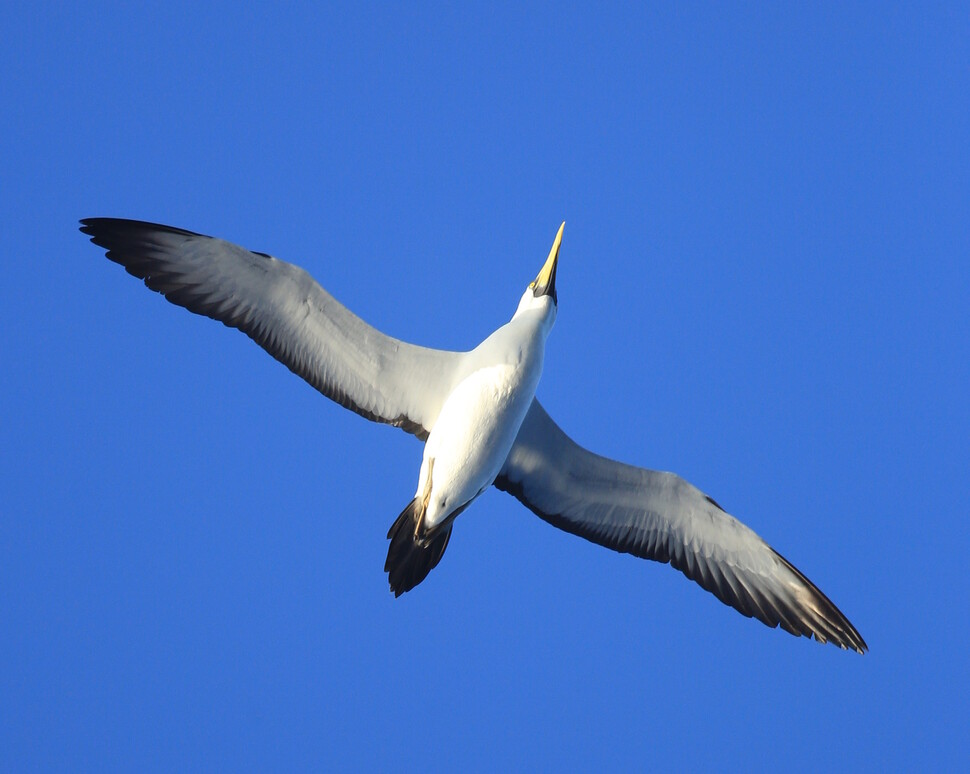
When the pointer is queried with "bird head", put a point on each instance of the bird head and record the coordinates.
(541, 293)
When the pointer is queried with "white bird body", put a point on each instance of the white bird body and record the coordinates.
(470, 440)
(483, 425)
(480, 419)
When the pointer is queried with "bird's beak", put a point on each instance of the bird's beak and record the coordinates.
(545, 283)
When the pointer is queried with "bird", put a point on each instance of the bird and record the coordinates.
(481, 423)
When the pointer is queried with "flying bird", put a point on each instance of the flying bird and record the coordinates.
(481, 423)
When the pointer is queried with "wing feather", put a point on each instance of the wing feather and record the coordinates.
(283, 309)
(662, 517)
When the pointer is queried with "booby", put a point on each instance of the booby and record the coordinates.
(481, 423)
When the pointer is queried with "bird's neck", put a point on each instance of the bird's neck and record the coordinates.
(539, 313)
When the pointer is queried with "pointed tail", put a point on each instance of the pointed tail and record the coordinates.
(411, 556)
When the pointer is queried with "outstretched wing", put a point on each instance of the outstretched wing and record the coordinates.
(283, 309)
(660, 516)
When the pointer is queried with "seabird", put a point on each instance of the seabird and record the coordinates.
(481, 423)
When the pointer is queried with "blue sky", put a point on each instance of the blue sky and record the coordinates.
(763, 287)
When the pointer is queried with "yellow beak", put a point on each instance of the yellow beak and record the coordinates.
(545, 283)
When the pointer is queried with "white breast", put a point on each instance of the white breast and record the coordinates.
(473, 434)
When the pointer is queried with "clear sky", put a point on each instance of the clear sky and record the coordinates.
(763, 287)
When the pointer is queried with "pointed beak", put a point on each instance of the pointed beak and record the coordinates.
(545, 283)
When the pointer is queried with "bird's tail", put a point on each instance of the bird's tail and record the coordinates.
(412, 555)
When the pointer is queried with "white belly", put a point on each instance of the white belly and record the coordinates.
(473, 435)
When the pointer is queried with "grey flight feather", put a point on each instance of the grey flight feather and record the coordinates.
(661, 516)
(284, 310)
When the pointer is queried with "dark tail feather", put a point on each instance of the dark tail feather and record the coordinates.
(410, 558)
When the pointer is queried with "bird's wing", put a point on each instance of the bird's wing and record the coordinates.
(283, 309)
(660, 516)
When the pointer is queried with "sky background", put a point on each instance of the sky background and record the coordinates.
(763, 286)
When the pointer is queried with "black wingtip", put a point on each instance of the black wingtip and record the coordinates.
(107, 228)
(90, 226)
(839, 630)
